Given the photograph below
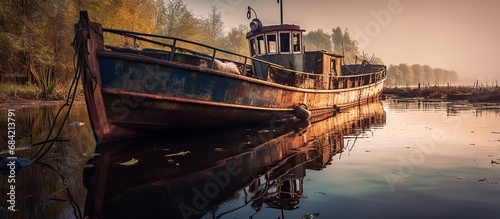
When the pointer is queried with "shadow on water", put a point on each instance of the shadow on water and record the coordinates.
(45, 188)
(212, 173)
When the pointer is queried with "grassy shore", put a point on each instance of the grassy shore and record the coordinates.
(439, 92)
(11, 91)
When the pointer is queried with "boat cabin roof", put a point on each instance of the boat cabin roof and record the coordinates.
(324, 52)
(273, 28)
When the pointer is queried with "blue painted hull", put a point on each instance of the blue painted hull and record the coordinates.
(154, 95)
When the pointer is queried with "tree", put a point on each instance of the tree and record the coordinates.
(418, 72)
(35, 42)
(351, 48)
(213, 28)
(446, 76)
(391, 78)
(429, 74)
(439, 75)
(408, 76)
(180, 21)
(453, 76)
(136, 15)
(337, 39)
(236, 41)
(317, 40)
(395, 74)
(101, 11)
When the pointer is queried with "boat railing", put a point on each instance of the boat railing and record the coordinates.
(276, 73)
(174, 47)
(326, 82)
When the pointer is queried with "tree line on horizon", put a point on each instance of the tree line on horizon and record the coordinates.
(404, 74)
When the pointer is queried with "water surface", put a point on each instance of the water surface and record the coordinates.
(396, 159)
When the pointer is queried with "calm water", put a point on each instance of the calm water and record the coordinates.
(395, 159)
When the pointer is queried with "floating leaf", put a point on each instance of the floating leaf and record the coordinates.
(93, 154)
(310, 215)
(76, 124)
(131, 162)
(178, 154)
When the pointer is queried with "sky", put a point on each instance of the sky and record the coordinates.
(460, 35)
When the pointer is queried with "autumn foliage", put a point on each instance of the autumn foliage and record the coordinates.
(36, 36)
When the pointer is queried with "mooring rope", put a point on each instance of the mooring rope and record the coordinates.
(80, 64)
(79, 44)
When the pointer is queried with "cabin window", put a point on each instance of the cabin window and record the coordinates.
(296, 42)
(261, 45)
(271, 43)
(253, 47)
(333, 63)
(285, 42)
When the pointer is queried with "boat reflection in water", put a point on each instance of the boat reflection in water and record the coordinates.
(212, 173)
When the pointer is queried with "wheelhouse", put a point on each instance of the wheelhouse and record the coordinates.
(279, 44)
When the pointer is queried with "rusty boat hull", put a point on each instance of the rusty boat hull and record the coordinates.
(131, 94)
(153, 94)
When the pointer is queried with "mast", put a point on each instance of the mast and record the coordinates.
(281, 10)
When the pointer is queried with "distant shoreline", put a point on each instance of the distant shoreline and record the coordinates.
(23, 103)
(463, 93)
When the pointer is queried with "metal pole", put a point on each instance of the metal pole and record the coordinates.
(281, 10)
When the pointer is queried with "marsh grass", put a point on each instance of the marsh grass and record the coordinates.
(12, 91)
(438, 92)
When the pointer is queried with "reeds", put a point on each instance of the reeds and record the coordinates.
(436, 91)
(50, 91)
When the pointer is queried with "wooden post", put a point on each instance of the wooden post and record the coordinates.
(92, 77)
(213, 59)
(172, 52)
(244, 72)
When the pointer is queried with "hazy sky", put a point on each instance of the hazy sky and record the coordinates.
(461, 35)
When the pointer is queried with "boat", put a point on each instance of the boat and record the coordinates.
(134, 90)
(215, 173)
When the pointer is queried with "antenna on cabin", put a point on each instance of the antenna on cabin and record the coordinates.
(281, 10)
(249, 12)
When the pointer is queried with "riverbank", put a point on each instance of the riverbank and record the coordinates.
(13, 91)
(23, 103)
(452, 93)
